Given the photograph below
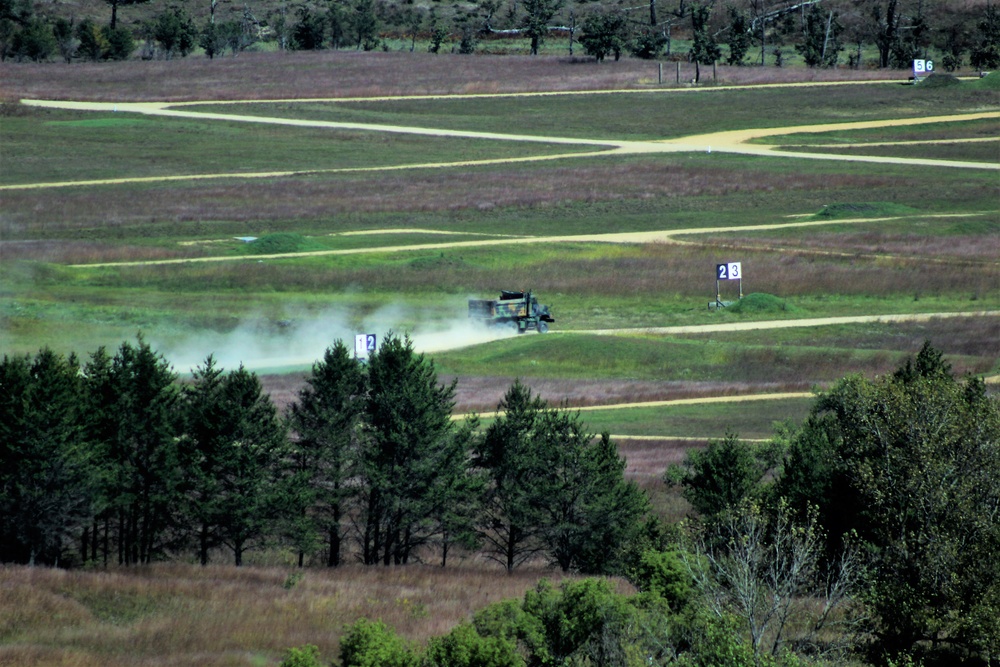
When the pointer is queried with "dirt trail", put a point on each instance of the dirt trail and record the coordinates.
(677, 401)
(782, 324)
(660, 236)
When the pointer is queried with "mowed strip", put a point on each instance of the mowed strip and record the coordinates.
(661, 236)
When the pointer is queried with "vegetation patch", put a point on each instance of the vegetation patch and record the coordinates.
(759, 302)
(989, 82)
(118, 121)
(863, 210)
(282, 242)
(940, 81)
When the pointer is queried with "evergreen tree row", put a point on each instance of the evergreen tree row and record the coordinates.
(117, 461)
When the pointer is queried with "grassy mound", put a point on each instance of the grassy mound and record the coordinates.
(759, 302)
(940, 81)
(863, 210)
(283, 242)
(989, 82)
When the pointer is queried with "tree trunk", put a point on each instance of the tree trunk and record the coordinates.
(203, 544)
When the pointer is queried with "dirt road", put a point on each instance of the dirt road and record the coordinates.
(782, 324)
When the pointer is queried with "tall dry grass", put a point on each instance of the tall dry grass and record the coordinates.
(173, 614)
(324, 74)
(332, 202)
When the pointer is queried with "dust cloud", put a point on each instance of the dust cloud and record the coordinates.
(295, 343)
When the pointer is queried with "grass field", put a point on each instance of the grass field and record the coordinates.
(884, 248)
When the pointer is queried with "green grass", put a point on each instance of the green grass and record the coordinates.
(657, 358)
(751, 420)
(56, 146)
(987, 152)
(651, 115)
(983, 128)
(822, 271)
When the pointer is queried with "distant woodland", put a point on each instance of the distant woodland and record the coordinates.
(812, 33)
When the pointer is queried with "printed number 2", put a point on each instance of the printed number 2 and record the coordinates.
(722, 271)
(370, 342)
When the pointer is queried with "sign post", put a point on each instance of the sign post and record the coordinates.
(727, 271)
(364, 345)
(922, 68)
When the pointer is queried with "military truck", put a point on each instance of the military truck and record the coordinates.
(517, 310)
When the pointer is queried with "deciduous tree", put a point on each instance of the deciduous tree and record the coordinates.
(704, 49)
(538, 13)
(911, 462)
(603, 33)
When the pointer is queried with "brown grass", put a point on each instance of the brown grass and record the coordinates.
(281, 202)
(184, 614)
(263, 76)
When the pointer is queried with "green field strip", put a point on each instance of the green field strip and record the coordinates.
(749, 416)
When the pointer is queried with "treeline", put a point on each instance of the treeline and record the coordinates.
(115, 461)
(824, 33)
(869, 534)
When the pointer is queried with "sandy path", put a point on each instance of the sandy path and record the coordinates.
(781, 324)
(677, 401)
(661, 236)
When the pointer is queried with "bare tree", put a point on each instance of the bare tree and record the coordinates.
(764, 568)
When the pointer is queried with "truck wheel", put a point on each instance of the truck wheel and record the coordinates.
(543, 327)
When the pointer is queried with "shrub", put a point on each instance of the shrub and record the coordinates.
(303, 656)
(373, 644)
(759, 303)
(464, 647)
(663, 573)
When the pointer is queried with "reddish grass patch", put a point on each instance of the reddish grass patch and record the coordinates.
(279, 203)
(322, 74)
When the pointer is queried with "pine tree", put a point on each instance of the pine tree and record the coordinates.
(327, 419)
(238, 442)
(509, 453)
(144, 471)
(46, 480)
(553, 489)
(407, 452)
